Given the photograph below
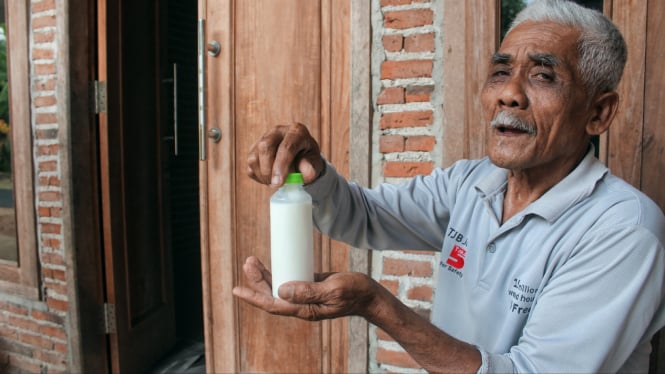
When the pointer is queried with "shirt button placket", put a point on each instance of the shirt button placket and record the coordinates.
(491, 248)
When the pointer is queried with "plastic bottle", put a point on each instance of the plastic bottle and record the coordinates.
(291, 237)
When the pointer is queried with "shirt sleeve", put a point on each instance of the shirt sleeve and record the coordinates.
(413, 215)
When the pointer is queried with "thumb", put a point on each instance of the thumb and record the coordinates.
(310, 168)
(297, 292)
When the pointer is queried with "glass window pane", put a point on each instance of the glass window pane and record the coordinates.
(8, 243)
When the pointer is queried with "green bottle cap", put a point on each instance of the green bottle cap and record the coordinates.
(294, 178)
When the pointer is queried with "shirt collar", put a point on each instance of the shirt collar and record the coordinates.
(576, 186)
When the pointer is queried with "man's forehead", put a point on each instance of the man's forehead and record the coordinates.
(545, 42)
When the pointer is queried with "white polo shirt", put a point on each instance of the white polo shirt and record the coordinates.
(574, 283)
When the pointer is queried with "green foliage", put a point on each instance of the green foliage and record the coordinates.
(4, 86)
(509, 9)
(5, 141)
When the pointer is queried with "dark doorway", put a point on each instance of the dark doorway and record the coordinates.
(179, 83)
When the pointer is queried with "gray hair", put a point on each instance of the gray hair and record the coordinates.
(602, 49)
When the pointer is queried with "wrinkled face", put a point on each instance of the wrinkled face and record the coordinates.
(535, 99)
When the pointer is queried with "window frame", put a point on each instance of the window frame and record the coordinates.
(21, 278)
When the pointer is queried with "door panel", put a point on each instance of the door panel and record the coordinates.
(275, 67)
(277, 79)
(137, 262)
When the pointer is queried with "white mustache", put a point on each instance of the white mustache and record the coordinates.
(506, 119)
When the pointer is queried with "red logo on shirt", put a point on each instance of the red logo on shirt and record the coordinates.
(456, 258)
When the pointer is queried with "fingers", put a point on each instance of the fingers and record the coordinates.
(282, 150)
(258, 277)
(331, 295)
(261, 157)
(266, 302)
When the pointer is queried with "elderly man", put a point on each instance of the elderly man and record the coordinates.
(549, 262)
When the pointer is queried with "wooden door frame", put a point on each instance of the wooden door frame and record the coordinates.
(77, 50)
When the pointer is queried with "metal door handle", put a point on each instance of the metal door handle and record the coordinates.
(201, 88)
(215, 134)
(175, 109)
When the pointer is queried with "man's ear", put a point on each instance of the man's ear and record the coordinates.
(604, 108)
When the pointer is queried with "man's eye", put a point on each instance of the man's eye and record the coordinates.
(545, 76)
(500, 73)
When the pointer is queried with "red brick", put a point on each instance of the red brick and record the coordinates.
(22, 323)
(45, 85)
(49, 181)
(42, 101)
(406, 19)
(7, 332)
(419, 43)
(43, 5)
(423, 293)
(406, 119)
(44, 211)
(406, 69)
(49, 195)
(411, 268)
(385, 3)
(43, 37)
(42, 54)
(391, 143)
(401, 169)
(420, 143)
(36, 340)
(26, 364)
(382, 335)
(56, 212)
(418, 94)
(391, 95)
(43, 21)
(45, 69)
(60, 289)
(390, 285)
(50, 357)
(46, 118)
(393, 43)
(51, 257)
(60, 347)
(53, 332)
(420, 253)
(13, 308)
(55, 304)
(48, 150)
(51, 243)
(49, 212)
(58, 274)
(47, 316)
(47, 134)
(396, 358)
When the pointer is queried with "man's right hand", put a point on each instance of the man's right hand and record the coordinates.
(282, 150)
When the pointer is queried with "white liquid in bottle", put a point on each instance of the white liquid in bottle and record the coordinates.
(291, 238)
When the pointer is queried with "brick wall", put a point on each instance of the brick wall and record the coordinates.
(406, 81)
(32, 332)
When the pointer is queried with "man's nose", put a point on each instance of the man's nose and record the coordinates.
(512, 95)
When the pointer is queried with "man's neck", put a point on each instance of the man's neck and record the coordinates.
(528, 185)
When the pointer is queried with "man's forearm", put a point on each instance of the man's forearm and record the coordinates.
(432, 348)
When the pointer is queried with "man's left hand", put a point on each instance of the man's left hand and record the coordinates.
(332, 295)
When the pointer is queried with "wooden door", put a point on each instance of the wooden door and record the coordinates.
(636, 139)
(280, 61)
(136, 255)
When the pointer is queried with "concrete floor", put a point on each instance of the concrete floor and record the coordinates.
(187, 358)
